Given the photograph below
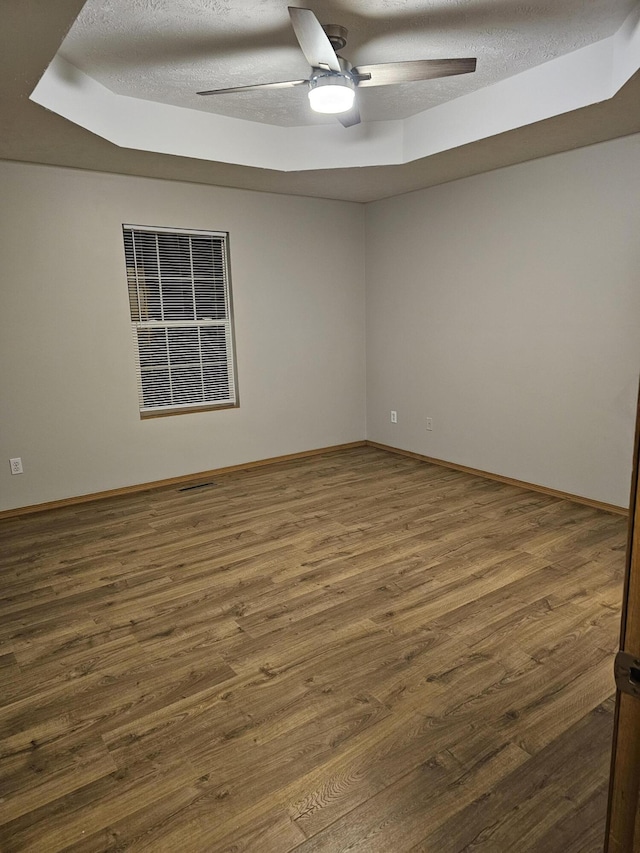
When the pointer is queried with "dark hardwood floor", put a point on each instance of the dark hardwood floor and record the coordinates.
(353, 652)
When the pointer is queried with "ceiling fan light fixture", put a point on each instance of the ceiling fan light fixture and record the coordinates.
(331, 93)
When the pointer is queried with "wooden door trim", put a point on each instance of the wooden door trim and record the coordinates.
(624, 777)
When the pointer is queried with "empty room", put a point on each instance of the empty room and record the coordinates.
(319, 360)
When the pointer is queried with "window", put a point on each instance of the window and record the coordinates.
(180, 300)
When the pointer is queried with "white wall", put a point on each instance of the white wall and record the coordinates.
(67, 386)
(506, 307)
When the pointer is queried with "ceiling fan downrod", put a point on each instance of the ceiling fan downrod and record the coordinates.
(337, 35)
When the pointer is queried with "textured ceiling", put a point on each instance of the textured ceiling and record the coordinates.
(166, 50)
(33, 30)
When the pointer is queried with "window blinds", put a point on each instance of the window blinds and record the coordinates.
(180, 302)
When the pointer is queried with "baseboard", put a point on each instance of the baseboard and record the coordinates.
(533, 487)
(173, 481)
(246, 466)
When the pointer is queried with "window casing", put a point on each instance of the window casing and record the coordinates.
(181, 319)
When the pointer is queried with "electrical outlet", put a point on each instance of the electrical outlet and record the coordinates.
(429, 423)
(16, 465)
(394, 417)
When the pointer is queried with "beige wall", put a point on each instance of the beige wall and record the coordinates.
(67, 387)
(506, 307)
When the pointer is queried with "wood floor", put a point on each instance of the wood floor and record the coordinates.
(353, 652)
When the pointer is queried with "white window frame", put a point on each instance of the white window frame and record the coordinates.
(187, 364)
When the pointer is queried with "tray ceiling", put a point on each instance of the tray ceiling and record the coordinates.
(167, 50)
(157, 45)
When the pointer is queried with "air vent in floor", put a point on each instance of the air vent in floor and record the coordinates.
(197, 486)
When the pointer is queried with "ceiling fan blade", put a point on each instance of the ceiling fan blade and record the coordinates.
(313, 39)
(413, 70)
(349, 118)
(285, 84)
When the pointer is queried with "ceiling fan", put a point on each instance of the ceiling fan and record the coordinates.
(333, 80)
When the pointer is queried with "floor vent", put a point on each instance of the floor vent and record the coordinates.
(197, 486)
